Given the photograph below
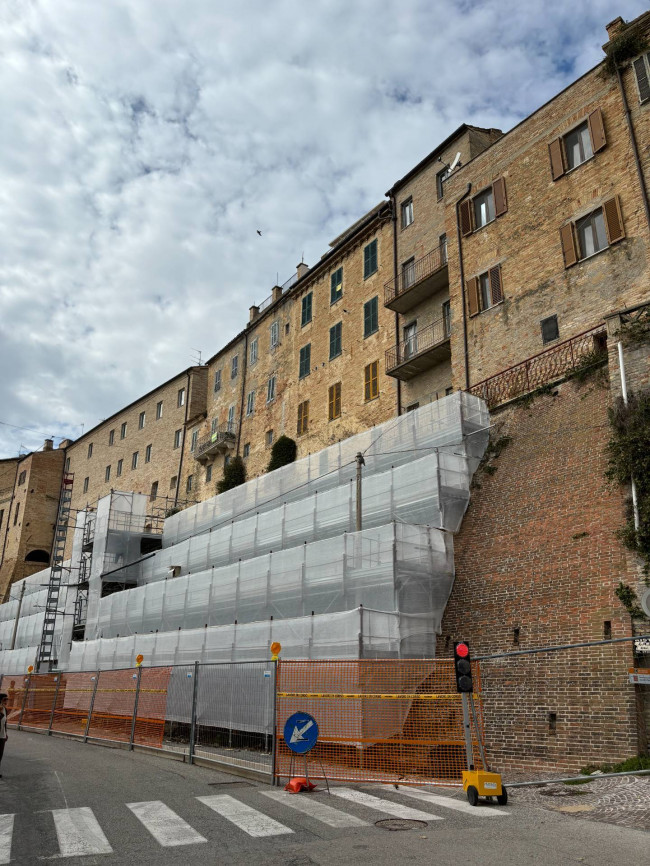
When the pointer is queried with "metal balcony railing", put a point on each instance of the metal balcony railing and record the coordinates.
(419, 343)
(414, 273)
(222, 439)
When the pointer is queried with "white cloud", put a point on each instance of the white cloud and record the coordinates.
(145, 142)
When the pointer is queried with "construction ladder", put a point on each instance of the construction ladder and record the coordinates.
(46, 647)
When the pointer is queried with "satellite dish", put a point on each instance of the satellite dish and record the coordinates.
(455, 162)
(645, 602)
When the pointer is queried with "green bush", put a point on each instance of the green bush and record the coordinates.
(283, 452)
(234, 474)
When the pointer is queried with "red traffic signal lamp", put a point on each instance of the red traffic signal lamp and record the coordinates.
(463, 667)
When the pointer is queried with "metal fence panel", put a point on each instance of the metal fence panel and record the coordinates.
(14, 687)
(72, 704)
(112, 711)
(38, 704)
(151, 712)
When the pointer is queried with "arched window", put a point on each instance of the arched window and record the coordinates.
(38, 556)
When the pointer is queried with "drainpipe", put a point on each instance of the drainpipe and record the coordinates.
(180, 462)
(243, 390)
(462, 282)
(393, 207)
(635, 149)
(621, 367)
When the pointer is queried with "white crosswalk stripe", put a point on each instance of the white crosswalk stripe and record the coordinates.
(79, 833)
(397, 810)
(245, 817)
(309, 805)
(167, 828)
(6, 834)
(448, 803)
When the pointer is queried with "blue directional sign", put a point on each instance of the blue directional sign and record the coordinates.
(300, 732)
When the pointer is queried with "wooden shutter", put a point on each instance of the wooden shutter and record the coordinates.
(613, 220)
(500, 200)
(557, 158)
(642, 79)
(568, 245)
(495, 285)
(466, 218)
(597, 130)
(473, 296)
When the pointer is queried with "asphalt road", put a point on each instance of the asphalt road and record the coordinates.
(87, 804)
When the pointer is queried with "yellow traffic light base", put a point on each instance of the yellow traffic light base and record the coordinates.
(481, 783)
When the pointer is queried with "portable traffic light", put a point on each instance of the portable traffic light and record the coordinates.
(463, 667)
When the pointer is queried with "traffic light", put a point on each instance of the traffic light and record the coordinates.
(463, 667)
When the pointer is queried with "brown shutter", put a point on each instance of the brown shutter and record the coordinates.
(597, 130)
(495, 285)
(466, 218)
(557, 160)
(613, 220)
(642, 79)
(568, 245)
(500, 200)
(472, 296)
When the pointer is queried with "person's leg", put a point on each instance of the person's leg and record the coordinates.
(2, 749)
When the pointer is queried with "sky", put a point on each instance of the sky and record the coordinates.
(145, 143)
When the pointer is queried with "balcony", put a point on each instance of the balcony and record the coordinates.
(221, 441)
(421, 351)
(418, 281)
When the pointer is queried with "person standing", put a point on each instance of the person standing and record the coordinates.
(3, 724)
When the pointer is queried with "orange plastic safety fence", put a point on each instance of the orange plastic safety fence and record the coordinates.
(379, 720)
(73, 703)
(113, 705)
(40, 698)
(152, 707)
(14, 687)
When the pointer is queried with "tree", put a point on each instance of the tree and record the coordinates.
(234, 474)
(283, 452)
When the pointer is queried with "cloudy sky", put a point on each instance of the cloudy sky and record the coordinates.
(144, 143)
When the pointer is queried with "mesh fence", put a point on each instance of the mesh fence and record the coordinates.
(14, 687)
(73, 702)
(379, 720)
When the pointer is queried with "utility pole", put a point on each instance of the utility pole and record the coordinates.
(20, 604)
(360, 462)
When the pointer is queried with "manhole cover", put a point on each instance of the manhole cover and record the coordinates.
(400, 824)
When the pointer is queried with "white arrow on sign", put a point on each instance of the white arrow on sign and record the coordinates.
(299, 733)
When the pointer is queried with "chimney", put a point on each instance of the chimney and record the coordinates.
(614, 27)
(276, 293)
(253, 313)
(48, 445)
(301, 270)
(65, 443)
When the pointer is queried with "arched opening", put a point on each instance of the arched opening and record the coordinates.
(38, 556)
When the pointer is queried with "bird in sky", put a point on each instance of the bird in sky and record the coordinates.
(259, 233)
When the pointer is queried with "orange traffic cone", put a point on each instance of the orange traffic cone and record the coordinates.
(295, 786)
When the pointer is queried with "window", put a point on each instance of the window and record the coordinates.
(443, 249)
(335, 340)
(578, 145)
(269, 438)
(270, 389)
(226, 460)
(336, 286)
(2, 514)
(592, 233)
(253, 351)
(107, 474)
(410, 341)
(141, 420)
(641, 67)
(172, 482)
(303, 417)
(369, 259)
(449, 391)
(22, 477)
(408, 273)
(234, 367)
(412, 407)
(123, 431)
(190, 483)
(250, 403)
(334, 410)
(550, 330)
(305, 361)
(111, 437)
(194, 440)
(275, 334)
(446, 317)
(67, 464)
(17, 511)
(231, 418)
(147, 454)
(484, 291)
(247, 450)
(441, 177)
(120, 464)
(306, 309)
(213, 425)
(134, 460)
(208, 474)
(371, 381)
(407, 212)
(217, 381)
(370, 317)
(178, 435)
(154, 491)
(159, 411)
(86, 481)
(90, 450)
(287, 327)
(180, 398)
(484, 208)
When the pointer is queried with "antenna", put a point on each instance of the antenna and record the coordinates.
(198, 361)
(456, 162)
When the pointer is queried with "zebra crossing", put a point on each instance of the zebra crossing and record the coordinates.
(80, 834)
